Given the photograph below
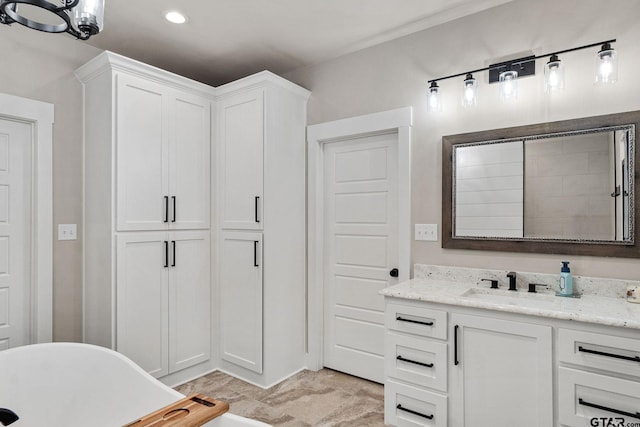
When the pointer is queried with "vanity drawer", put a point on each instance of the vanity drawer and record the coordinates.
(416, 320)
(416, 360)
(607, 352)
(408, 406)
(585, 395)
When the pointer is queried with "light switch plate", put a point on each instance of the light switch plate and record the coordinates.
(427, 232)
(67, 231)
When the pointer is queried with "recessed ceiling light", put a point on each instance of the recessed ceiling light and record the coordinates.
(175, 17)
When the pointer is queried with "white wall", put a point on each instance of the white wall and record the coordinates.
(40, 66)
(395, 74)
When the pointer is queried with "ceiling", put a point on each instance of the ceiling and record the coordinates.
(227, 39)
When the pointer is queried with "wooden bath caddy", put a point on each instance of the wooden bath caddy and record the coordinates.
(192, 411)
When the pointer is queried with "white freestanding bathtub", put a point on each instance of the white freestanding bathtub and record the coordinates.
(81, 385)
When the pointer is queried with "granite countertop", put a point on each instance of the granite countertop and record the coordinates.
(597, 309)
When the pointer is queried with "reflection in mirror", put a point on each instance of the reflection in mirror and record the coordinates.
(570, 186)
(562, 187)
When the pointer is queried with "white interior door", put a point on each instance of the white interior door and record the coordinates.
(360, 250)
(15, 229)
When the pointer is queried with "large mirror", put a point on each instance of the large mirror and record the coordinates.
(563, 187)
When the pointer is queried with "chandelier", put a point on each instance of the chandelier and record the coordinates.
(80, 18)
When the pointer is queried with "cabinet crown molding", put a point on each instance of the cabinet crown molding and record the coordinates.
(260, 79)
(109, 61)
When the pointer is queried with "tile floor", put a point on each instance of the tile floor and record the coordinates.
(320, 399)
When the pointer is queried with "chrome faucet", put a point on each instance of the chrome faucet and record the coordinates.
(512, 280)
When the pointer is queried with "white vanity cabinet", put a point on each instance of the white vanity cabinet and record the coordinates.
(147, 192)
(261, 223)
(598, 377)
(451, 368)
(501, 373)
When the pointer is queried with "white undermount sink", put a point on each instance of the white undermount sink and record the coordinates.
(505, 297)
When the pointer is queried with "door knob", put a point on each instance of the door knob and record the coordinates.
(393, 272)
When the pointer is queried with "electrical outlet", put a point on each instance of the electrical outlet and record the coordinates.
(67, 231)
(427, 232)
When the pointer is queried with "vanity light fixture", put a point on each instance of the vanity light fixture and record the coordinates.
(469, 91)
(606, 65)
(508, 72)
(553, 74)
(509, 85)
(433, 98)
(80, 18)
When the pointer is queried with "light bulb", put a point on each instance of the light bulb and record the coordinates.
(606, 65)
(433, 98)
(175, 17)
(469, 91)
(508, 85)
(553, 74)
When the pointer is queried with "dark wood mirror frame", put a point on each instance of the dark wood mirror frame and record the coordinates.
(549, 246)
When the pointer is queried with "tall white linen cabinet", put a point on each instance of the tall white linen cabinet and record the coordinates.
(194, 221)
(261, 218)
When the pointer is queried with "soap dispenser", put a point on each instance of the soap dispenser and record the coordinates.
(566, 281)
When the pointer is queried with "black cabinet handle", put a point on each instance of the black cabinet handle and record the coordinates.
(402, 319)
(429, 417)
(455, 345)
(166, 209)
(604, 408)
(173, 261)
(173, 198)
(256, 208)
(255, 253)
(166, 254)
(602, 353)
(402, 359)
(394, 272)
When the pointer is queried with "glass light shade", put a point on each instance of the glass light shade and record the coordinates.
(508, 85)
(553, 75)
(433, 98)
(89, 16)
(469, 91)
(606, 65)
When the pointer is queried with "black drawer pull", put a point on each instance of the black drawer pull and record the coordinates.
(255, 253)
(255, 204)
(402, 319)
(455, 345)
(166, 254)
(402, 359)
(174, 208)
(602, 353)
(173, 261)
(604, 408)
(166, 209)
(429, 417)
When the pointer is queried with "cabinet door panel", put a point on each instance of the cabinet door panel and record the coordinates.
(189, 299)
(241, 294)
(142, 303)
(241, 126)
(504, 374)
(189, 162)
(142, 154)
